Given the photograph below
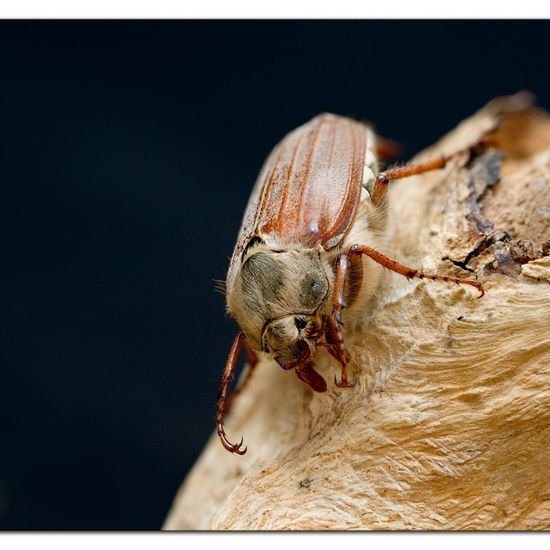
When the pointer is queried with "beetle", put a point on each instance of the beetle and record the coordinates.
(319, 205)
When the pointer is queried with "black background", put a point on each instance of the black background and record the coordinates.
(127, 153)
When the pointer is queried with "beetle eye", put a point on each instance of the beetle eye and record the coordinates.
(312, 289)
(300, 323)
(313, 286)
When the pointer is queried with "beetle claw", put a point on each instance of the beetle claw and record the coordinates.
(344, 383)
(231, 447)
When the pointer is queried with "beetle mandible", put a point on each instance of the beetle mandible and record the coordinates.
(319, 205)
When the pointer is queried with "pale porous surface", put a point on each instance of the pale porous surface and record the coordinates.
(448, 426)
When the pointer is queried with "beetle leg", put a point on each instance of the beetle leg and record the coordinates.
(335, 346)
(409, 272)
(310, 376)
(227, 376)
(333, 334)
(338, 298)
(344, 382)
(252, 361)
(383, 178)
(399, 172)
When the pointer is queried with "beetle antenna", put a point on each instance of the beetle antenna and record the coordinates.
(220, 286)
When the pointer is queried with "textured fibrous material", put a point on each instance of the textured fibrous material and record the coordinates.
(448, 426)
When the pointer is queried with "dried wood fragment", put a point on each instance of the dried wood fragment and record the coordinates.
(448, 426)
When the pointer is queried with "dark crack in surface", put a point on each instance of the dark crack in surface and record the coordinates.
(485, 248)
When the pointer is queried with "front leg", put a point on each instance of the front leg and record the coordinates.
(335, 346)
(227, 376)
(333, 334)
(252, 360)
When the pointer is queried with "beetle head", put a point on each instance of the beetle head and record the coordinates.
(279, 301)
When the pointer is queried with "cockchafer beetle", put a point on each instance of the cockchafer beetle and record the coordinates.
(319, 204)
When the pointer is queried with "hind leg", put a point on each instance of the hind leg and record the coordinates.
(399, 172)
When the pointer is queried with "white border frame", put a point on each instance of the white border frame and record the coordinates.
(274, 9)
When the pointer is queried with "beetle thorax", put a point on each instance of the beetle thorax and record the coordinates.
(276, 293)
